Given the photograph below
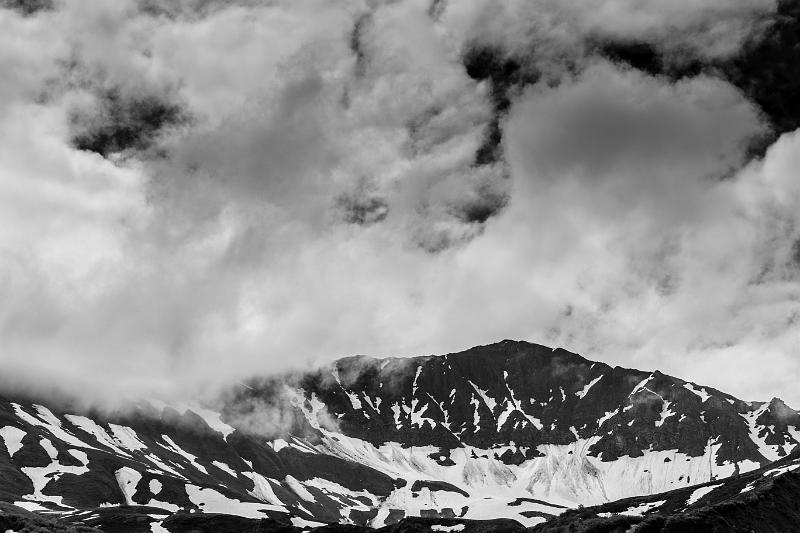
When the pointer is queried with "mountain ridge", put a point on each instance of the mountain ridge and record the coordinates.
(510, 429)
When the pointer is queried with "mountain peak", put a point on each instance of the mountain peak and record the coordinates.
(780, 409)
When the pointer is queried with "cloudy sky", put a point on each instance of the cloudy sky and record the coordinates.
(192, 192)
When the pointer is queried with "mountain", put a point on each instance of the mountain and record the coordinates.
(544, 422)
(510, 430)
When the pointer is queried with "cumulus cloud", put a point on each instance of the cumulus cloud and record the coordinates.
(194, 193)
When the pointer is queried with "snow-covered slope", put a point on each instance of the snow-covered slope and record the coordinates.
(761, 500)
(58, 461)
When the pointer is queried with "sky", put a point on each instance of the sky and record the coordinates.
(192, 193)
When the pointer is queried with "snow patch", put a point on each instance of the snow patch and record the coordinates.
(476, 417)
(501, 419)
(607, 416)
(302, 522)
(180, 451)
(583, 392)
(748, 487)
(641, 385)
(279, 444)
(214, 420)
(416, 415)
(781, 470)
(224, 467)
(32, 506)
(769, 451)
(354, 399)
(666, 412)
(156, 527)
(212, 501)
(167, 506)
(127, 437)
(12, 437)
(40, 476)
(128, 479)
(697, 391)
(49, 448)
(91, 427)
(80, 456)
(262, 489)
(699, 493)
(153, 458)
(416, 377)
(50, 422)
(299, 489)
(490, 402)
(643, 508)
(447, 529)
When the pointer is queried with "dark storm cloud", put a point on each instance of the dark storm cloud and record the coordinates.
(118, 122)
(764, 70)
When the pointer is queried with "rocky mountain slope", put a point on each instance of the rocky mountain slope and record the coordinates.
(510, 430)
(762, 500)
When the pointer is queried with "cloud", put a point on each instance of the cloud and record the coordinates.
(27, 7)
(554, 30)
(312, 186)
(275, 408)
(631, 140)
(117, 123)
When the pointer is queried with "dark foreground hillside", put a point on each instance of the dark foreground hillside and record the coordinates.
(136, 519)
(18, 520)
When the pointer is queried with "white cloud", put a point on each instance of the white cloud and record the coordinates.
(228, 255)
